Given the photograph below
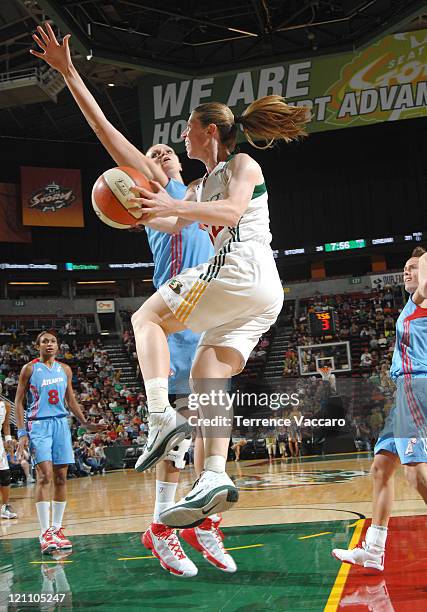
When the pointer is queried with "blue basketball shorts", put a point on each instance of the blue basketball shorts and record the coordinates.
(405, 430)
(182, 348)
(50, 440)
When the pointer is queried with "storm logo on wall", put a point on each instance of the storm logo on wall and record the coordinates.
(51, 198)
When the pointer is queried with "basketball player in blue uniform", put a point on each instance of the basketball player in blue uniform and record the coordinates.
(171, 253)
(404, 437)
(46, 384)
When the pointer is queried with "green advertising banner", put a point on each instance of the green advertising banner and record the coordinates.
(386, 81)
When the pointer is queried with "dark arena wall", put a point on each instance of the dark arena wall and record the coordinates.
(338, 185)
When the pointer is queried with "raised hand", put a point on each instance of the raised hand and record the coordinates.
(158, 203)
(22, 446)
(56, 55)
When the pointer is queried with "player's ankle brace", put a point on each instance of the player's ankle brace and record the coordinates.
(375, 539)
(157, 394)
(215, 463)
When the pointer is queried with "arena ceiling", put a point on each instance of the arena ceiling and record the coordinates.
(125, 39)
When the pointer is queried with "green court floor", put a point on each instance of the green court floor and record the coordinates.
(277, 571)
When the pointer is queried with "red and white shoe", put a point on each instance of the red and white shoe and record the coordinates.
(360, 556)
(207, 538)
(47, 541)
(164, 544)
(62, 542)
(373, 596)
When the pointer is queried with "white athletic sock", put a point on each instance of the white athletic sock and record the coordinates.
(43, 512)
(375, 539)
(157, 394)
(214, 517)
(165, 496)
(215, 463)
(58, 509)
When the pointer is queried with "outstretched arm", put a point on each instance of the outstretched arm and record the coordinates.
(421, 293)
(121, 150)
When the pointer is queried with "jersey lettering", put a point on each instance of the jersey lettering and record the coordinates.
(53, 396)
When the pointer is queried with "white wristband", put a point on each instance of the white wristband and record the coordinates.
(8, 438)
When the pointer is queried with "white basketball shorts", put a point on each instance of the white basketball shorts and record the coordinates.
(4, 465)
(233, 298)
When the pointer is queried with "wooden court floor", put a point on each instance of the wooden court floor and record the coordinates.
(290, 514)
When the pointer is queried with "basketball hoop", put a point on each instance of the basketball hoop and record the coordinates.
(325, 372)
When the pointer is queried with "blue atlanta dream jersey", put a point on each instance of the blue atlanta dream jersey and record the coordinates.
(174, 253)
(410, 351)
(46, 391)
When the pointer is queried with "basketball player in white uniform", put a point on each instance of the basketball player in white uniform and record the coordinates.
(233, 298)
(6, 509)
(163, 165)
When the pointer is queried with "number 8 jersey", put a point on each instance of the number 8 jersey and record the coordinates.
(46, 391)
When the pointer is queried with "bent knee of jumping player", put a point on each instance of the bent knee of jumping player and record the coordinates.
(215, 362)
(143, 317)
(155, 312)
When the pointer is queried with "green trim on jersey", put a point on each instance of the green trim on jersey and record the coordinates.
(259, 191)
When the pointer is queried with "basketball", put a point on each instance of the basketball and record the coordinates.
(111, 194)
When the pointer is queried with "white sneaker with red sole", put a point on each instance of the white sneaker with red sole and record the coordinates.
(47, 541)
(164, 544)
(62, 542)
(207, 538)
(360, 556)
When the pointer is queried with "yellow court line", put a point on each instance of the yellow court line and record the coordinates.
(135, 558)
(43, 562)
(151, 557)
(314, 535)
(249, 546)
(339, 584)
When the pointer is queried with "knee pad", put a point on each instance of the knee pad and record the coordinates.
(5, 478)
(177, 453)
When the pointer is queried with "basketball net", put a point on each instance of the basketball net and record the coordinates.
(325, 372)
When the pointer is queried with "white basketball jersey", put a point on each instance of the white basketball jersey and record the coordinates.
(3, 457)
(2, 413)
(254, 224)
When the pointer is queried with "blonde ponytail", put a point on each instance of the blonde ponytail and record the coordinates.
(271, 118)
(268, 119)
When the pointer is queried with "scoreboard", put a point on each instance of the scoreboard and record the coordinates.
(322, 323)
